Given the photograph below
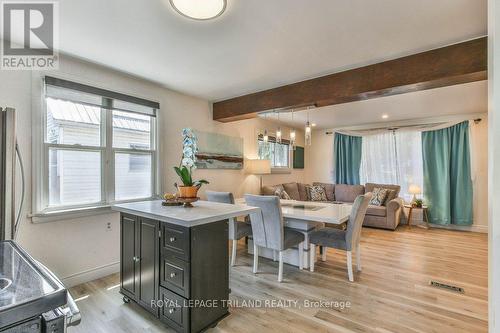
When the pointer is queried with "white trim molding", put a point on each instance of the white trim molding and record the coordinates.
(91, 274)
(471, 228)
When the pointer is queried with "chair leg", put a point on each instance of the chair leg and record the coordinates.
(349, 266)
(255, 257)
(274, 255)
(280, 269)
(323, 255)
(233, 252)
(301, 255)
(312, 256)
(358, 258)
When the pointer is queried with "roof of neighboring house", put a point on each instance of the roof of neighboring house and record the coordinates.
(87, 114)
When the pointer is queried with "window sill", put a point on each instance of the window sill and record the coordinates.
(74, 213)
(281, 170)
(69, 214)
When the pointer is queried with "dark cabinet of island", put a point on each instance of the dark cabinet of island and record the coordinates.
(178, 273)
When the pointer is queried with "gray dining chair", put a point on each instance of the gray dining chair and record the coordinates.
(347, 240)
(269, 230)
(237, 229)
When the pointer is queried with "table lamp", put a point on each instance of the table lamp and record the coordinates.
(259, 167)
(414, 189)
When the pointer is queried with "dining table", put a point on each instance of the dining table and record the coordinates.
(305, 217)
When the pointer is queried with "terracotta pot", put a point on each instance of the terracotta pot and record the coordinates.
(188, 191)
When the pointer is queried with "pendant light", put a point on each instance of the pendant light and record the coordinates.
(292, 136)
(278, 131)
(307, 131)
(266, 136)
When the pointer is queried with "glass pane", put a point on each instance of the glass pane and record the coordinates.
(132, 176)
(266, 150)
(72, 123)
(276, 152)
(131, 130)
(281, 154)
(74, 177)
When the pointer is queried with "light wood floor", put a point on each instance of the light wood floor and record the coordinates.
(391, 294)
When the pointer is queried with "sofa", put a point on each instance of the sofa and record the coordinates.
(386, 216)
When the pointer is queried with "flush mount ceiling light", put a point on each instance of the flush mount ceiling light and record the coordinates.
(199, 9)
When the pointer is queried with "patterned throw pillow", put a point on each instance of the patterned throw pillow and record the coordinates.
(378, 196)
(281, 193)
(308, 192)
(391, 195)
(317, 193)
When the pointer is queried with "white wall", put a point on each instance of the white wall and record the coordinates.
(197, 114)
(319, 159)
(494, 165)
(479, 135)
(85, 248)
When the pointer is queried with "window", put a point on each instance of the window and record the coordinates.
(98, 147)
(393, 157)
(278, 153)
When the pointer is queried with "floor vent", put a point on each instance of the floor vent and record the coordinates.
(447, 287)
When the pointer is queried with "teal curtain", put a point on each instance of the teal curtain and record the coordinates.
(347, 159)
(447, 175)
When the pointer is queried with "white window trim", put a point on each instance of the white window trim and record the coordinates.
(282, 170)
(40, 169)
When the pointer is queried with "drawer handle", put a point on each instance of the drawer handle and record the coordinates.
(172, 275)
(172, 239)
(171, 311)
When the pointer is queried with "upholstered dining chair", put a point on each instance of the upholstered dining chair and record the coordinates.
(237, 229)
(269, 231)
(347, 240)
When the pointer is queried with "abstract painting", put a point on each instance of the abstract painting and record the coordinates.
(219, 151)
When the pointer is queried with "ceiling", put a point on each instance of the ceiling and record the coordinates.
(259, 44)
(453, 100)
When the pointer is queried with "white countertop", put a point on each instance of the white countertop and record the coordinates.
(313, 211)
(203, 211)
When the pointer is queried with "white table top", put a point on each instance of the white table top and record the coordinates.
(313, 211)
(203, 211)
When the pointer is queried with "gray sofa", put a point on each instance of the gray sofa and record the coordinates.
(386, 216)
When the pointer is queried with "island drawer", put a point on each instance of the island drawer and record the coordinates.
(174, 311)
(175, 240)
(174, 275)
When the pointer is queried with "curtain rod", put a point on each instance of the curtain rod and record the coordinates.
(396, 127)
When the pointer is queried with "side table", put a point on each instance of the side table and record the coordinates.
(424, 211)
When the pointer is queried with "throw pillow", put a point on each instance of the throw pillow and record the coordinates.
(317, 193)
(281, 193)
(390, 196)
(379, 196)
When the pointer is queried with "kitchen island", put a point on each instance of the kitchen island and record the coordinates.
(174, 260)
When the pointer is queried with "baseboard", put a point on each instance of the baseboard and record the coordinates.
(471, 228)
(91, 274)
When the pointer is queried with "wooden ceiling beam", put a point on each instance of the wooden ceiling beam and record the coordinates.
(455, 64)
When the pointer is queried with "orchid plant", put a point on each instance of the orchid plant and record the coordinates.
(188, 160)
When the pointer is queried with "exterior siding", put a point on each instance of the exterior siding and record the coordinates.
(75, 176)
